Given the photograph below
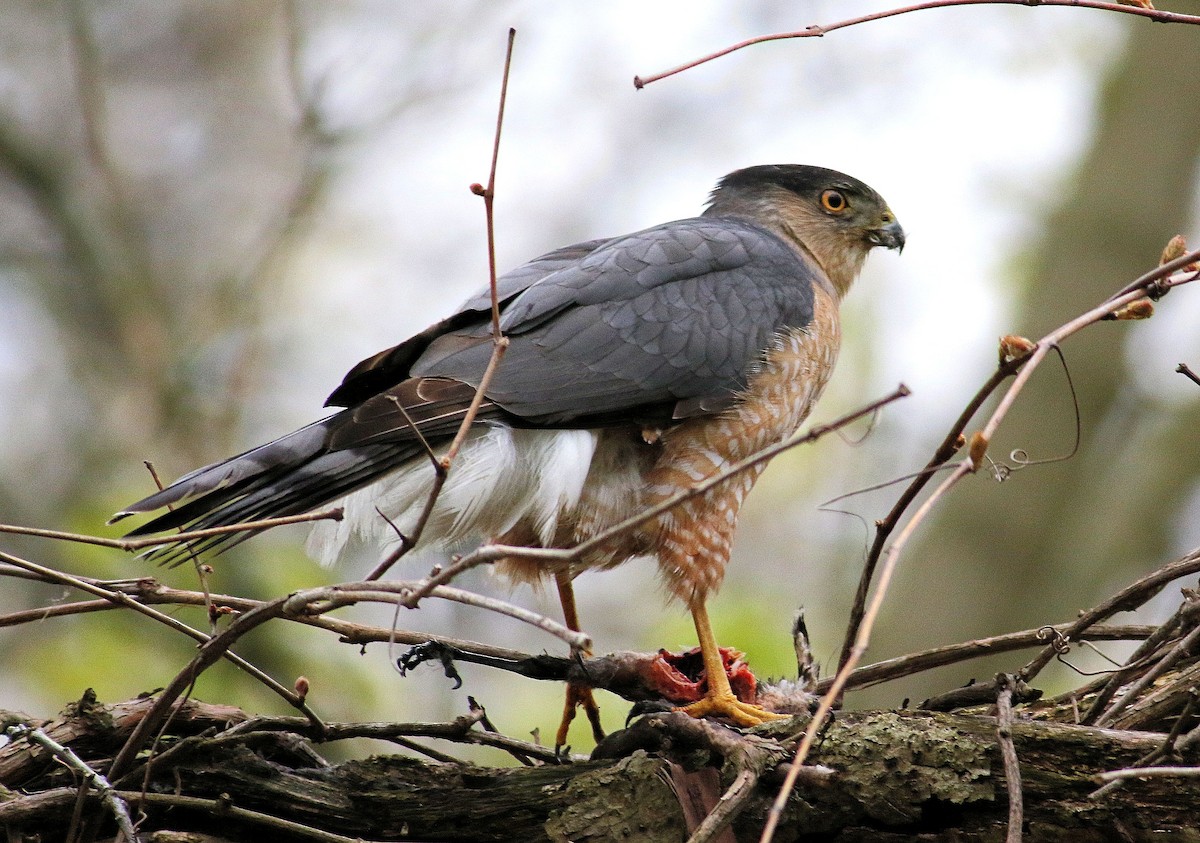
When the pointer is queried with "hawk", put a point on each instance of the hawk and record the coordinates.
(638, 367)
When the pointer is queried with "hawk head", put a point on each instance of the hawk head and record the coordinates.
(835, 218)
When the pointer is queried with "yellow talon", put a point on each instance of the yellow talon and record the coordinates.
(731, 708)
(719, 700)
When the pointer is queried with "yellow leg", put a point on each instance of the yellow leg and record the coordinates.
(577, 695)
(719, 700)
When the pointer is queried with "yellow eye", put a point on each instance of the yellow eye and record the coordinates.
(833, 201)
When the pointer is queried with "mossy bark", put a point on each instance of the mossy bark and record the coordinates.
(898, 776)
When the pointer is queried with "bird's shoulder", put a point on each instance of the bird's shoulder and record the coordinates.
(385, 369)
(710, 277)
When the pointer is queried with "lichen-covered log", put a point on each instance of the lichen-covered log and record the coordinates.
(898, 776)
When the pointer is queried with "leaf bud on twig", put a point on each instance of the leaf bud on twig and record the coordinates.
(1140, 309)
(979, 446)
(1013, 348)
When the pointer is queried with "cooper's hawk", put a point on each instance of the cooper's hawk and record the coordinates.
(638, 367)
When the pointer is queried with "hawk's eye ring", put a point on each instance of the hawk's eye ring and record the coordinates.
(833, 201)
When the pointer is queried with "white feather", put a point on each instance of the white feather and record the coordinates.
(501, 476)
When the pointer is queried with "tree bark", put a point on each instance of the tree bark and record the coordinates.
(896, 776)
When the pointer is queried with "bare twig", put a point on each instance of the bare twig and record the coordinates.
(1166, 630)
(1180, 270)
(949, 446)
(1023, 367)
(222, 808)
(300, 603)
(489, 193)
(490, 553)
(499, 343)
(119, 598)
(1167, 750)
(347, 594)
(817, 31)
(148, 591)
(1158, 279)
(1008, 753)
(907, 665)
(1149, 773)
(201, 570)
(862, 639)
(727, 808)
(1162, 700)
(210, 651)
(460, 730)
(1125, 600)
(112, 799)
(1160, 667)
(1186, 371)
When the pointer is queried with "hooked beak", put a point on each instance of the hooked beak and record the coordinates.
(890, 235)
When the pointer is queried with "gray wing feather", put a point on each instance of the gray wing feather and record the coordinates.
(675, 315)
(384, 370)
(518, 280)
(671, 318)
(295, 448)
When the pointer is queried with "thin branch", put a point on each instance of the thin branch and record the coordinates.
(817, 31)
(112, 799)
(193, 555)
(498, 350)
(1186, 371)
(221, 807)
(1149, 773)
(949, 446)
(1174, 272)
(978, 444)
(58, 610)
(119, 598)
(1162, 700)
(982, 438)
(499, 342)
(442, 468)
(417, 432)
(150, 591)
(907, 665)
(460, 730)
(1156, 281)
(491, 552)
(489, 193)
(731, 803)
(1008, 754)
(1137, 660)
(304, 602)
(1167, 750)
(210, 651)
(347, 594)
(1159, 279)
(861, 641)
(1126, 600)
(1181, 649)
